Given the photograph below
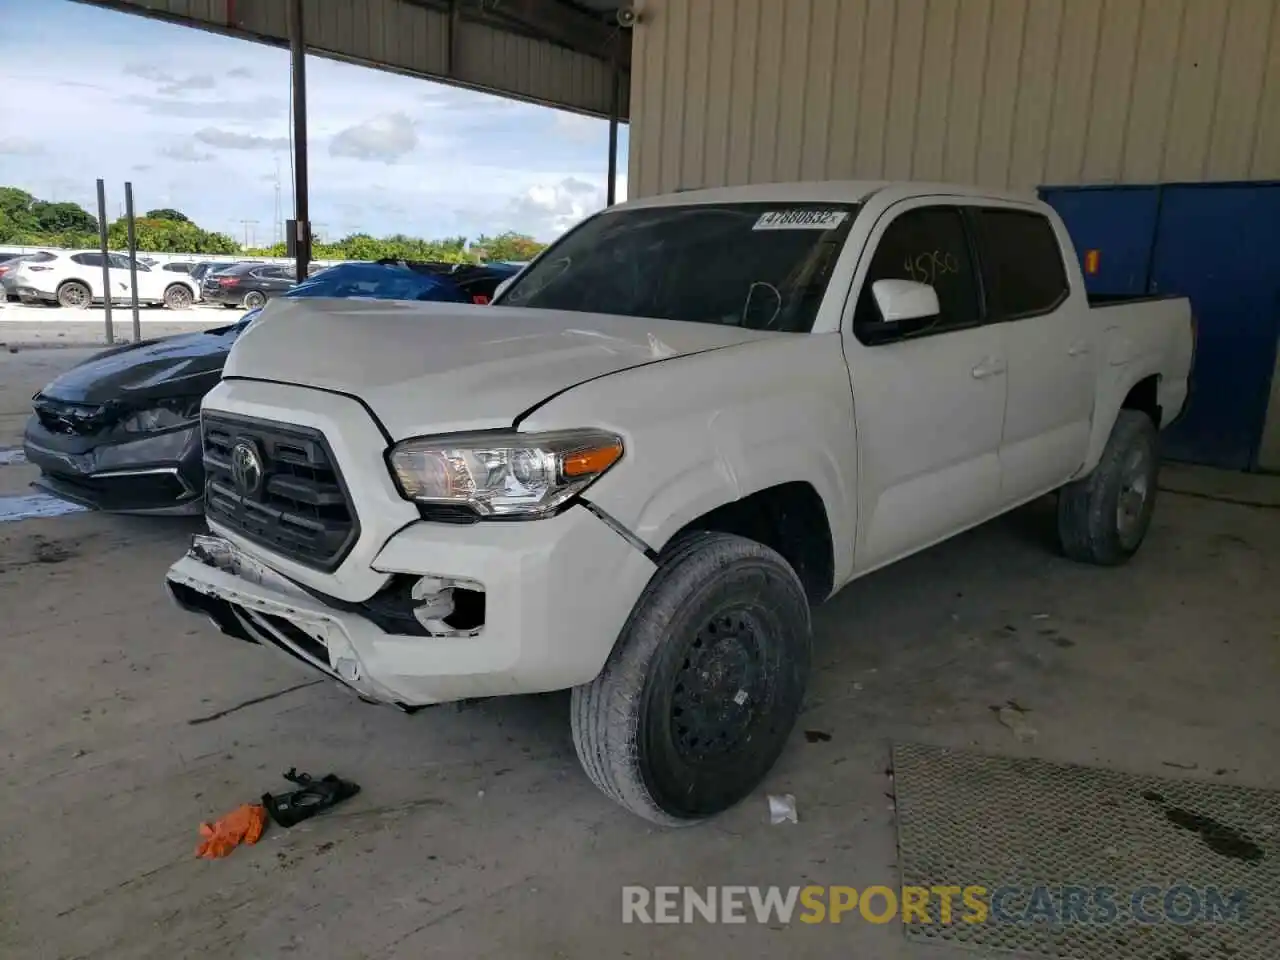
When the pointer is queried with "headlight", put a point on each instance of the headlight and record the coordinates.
(502, 474)
(170, 413)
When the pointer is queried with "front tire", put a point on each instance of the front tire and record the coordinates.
(697, 700)
(1103, 518)
(74, 295)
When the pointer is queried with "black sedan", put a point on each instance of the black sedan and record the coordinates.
(120, 431)
(247, 285)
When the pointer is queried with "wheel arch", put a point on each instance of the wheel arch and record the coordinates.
(789, 518)
(1133, 387)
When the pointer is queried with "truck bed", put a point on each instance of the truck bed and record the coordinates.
(1101, 300)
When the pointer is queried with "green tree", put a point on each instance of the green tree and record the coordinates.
(63, 218)
(507, 246)
(167, 213)
(169, 236)
(16, 206)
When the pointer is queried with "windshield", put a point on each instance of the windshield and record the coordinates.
(764, 266)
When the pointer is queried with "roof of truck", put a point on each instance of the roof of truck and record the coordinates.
(820, 191)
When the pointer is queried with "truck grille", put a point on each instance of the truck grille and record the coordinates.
(278, 486)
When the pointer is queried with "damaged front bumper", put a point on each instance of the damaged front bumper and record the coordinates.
(160, 473)
(552, 597)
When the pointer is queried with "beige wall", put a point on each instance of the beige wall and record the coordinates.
(1000, 92)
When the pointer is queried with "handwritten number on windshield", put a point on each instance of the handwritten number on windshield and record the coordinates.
(930, 266)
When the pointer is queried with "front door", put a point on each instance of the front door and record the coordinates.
(120, 285)
(929, 406)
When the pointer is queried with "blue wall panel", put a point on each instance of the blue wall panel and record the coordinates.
(1219, 244)
(1118, 222)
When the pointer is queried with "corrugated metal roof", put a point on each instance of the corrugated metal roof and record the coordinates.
(548, 51)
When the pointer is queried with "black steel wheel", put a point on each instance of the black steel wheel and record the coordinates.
(704, 685)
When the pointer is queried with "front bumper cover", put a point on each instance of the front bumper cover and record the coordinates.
(159, 473)
(557, 593)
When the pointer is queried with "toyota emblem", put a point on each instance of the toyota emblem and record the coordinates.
(246, 468)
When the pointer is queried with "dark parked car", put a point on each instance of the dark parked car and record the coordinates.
(202, 269)
(247, 285)
(120, 432)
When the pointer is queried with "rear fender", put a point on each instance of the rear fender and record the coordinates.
(1121, 374)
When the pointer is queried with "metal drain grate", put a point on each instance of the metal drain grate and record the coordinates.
(1063, 842)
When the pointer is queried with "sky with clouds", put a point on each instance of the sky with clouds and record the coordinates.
(200, 122)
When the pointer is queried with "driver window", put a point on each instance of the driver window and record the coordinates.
(927, 245)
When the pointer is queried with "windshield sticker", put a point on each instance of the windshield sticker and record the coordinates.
(800, 220)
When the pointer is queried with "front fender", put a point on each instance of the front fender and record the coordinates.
(706, 430)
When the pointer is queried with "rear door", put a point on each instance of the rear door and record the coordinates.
(268, 280)
(281, 279)
(929, 406)
(88, 267)
(1049, 347)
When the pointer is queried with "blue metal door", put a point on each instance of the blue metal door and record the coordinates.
(1219, 244)
(1118, 224)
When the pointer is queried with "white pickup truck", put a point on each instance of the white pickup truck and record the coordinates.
(689, 419)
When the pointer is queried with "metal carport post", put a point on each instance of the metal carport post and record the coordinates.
(301, 226)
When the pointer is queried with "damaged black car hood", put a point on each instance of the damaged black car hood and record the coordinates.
(189, 364)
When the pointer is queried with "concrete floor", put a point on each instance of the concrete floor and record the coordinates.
(26, 327)
(124, 723)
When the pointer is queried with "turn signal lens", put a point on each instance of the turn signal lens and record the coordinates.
(585, 463)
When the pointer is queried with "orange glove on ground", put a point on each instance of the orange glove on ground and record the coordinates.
(244, 824)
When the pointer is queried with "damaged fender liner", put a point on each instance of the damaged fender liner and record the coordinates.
(614, 525)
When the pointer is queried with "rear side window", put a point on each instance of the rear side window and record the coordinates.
(1022, 268)
(88, 259)
(927, 245)
(42, 257)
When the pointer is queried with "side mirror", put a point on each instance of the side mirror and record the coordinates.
(905, 307)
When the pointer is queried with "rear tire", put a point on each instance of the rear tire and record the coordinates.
(177, 296)
(1103, 518)
(697, 700)
(253, 300)
(74, 295)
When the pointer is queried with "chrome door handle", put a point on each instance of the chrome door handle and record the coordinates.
(1078, 349)
(989, 367)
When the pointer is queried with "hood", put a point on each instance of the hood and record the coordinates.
(189, 364)
(439, 367)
